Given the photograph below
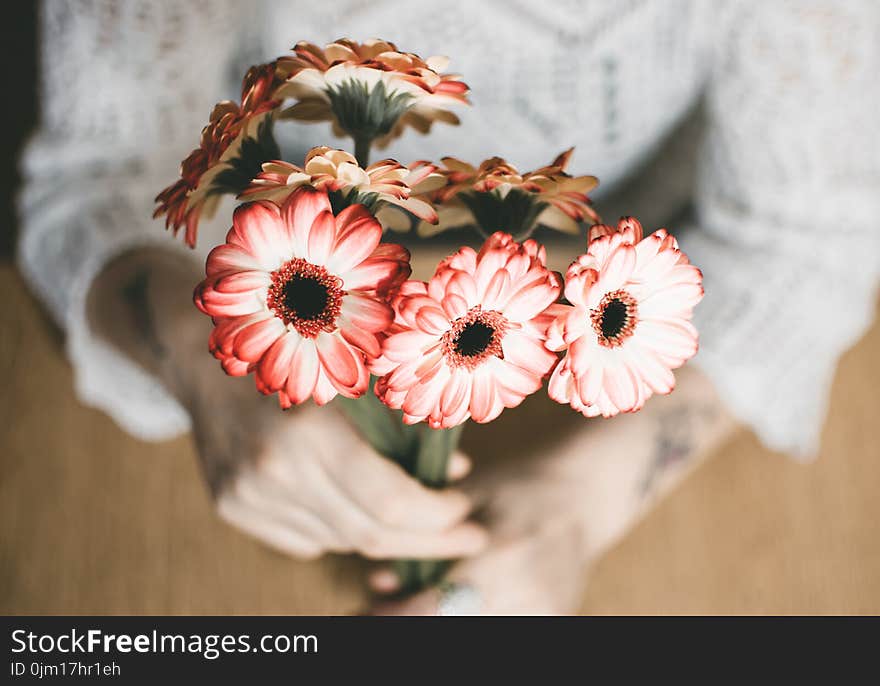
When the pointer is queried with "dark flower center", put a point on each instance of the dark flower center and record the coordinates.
(474, 339)
(306, 297)
(615, 318)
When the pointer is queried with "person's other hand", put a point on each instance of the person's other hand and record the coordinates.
(534, 564)
(550, 514)
(304, 482)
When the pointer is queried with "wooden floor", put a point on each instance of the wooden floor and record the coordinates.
(92, 521)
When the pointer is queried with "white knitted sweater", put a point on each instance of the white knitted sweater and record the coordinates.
(786, 190)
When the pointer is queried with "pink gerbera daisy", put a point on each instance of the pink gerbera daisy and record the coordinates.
(470, 342)
(629, 322)
(299, 296)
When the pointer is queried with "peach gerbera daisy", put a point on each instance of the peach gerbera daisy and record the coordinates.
(470, 342)
(299, 296)
(496, 195)
(370, 90)
(197, 192)
(381, 184)
(629, 322)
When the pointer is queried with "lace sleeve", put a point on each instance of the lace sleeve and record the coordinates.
(118, 113)
(788, 199)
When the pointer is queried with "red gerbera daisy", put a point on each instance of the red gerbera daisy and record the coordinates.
(299, 296)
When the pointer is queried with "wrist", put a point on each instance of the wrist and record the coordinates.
(142, 304)
(622, 467)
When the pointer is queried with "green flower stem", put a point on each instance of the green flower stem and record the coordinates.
(366, 112)
(421, 451)
(431, 465)
(362, 145)
(432, 458)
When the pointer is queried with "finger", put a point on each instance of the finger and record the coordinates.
(383, 580)
(266, 494)
(393, 497)
(379, 486)
(462, 540)
(262, 527)
(363, 531)
(537, 573)
(379, 541)
(459, 466)
(425, 603)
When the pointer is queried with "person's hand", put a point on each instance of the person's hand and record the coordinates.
(302, 480)
(554, 511)
(535, 562)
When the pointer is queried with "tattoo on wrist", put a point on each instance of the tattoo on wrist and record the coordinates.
(675, 442)
(134, 293)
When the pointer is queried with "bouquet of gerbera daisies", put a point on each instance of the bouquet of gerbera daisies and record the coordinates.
(306, 296)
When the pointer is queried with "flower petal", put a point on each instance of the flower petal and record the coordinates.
(338, 360)
(276, 364)
(366, 312)
(229, 258)
(300, 211)
(406, 345)
(482, 395)
(357, 236)
(257, 228)
(363, 340)
(304, 369)
(321, 237)
(254, 340)
(239, 282)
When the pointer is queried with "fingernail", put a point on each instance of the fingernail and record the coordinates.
(384, 581)
(459, 467)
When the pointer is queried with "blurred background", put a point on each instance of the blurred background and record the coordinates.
(93, 521)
